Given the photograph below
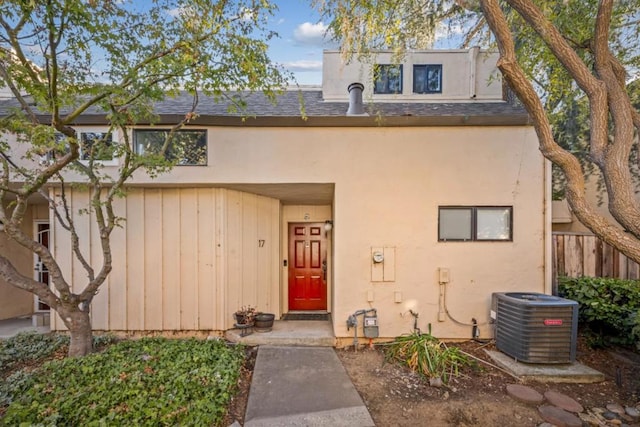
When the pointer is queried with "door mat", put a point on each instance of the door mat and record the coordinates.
(306, 316)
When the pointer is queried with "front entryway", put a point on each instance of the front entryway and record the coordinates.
(307, 266)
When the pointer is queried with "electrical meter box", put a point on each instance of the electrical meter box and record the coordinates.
(371, 326)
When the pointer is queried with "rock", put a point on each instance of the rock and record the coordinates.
(632, 412)
(615, 422)
(545, 425)
(590, 419)
(563, 401)
(524, 394)
(610, 415)
(435, 382)
(615, 408)
(559, 417)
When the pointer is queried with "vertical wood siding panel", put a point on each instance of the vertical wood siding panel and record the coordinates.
(54, 319)
(80, 200)
(100, 303)
(64, 256)
(264, 249)
(171, 282)
(206, 220)
(153, 259)
(274, 259)
(118, 276)
(223, 317)
(135, 268)
(250, 250)
(234, 254)
(190, 235)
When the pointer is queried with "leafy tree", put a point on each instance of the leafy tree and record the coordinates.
(561, 59)
(63, 58)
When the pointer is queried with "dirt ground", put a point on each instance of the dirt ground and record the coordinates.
(396, 396)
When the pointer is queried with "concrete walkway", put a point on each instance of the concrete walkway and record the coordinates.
(12, 327)
(303, 386)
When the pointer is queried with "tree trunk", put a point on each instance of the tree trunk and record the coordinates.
(79, 325)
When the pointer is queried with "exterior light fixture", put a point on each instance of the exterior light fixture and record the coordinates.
(328, 225)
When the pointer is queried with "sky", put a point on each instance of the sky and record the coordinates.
(299, 47)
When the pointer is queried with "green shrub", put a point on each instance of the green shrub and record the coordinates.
(151, 381)
(425, 354)
(17, 381)
(28, 346)
(609, 308)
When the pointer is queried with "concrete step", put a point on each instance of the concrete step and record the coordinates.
(307, 333)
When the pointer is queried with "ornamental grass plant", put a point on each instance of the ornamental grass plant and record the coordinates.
(428, 356)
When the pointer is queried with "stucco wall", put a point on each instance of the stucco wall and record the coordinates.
(388, 182)
(466, 75)
(13, 301)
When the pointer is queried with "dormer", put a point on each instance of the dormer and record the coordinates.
(421, 76)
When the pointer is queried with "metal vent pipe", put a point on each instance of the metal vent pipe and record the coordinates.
(356, 108)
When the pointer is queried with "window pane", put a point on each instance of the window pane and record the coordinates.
(455, 224)
(388, 79)
(427, 78)
(493, 224)
(96, 146)
(187, 147)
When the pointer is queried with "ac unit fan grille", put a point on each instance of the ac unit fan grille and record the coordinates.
(533, 332)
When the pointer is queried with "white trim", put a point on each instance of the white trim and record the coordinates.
(36, 272)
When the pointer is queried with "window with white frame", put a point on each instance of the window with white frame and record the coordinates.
(475, 223)
(427, 78)
(96, 145)
(387, 79)
(185, 147)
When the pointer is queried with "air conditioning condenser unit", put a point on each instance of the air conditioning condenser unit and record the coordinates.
(534, 327)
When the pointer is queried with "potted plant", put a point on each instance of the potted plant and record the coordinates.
(264, 322)
(245, 316)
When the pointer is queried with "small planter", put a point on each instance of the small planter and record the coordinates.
(263, 322)
(245, 316)
(243, 319)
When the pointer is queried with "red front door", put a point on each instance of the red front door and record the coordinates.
(307, 266)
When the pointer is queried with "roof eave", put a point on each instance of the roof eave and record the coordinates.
(515, 119)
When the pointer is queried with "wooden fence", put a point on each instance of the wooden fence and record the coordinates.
(578, 255)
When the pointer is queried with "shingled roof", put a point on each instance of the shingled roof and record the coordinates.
(287, 111)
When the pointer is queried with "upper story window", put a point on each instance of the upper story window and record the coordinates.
(387, 79)
(427, 78)
(96, 146)
(186, 147)
(475, 223)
